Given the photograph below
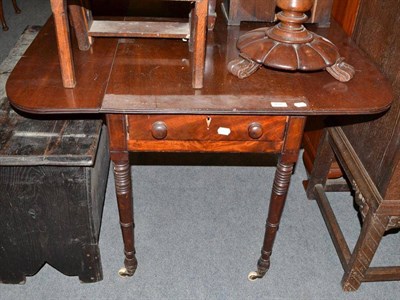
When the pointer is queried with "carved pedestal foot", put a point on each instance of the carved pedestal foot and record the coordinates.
(341, 70)
(242, 67)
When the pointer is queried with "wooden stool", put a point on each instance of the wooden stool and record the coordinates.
(2, 19)
(85, 28)
(379, 210)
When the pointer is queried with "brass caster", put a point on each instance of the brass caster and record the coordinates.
(123, 272)
(253, 276)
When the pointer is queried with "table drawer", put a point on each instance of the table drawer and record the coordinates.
(206, 133)
(206, 128)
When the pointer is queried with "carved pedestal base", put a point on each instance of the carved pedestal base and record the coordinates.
(289, 46)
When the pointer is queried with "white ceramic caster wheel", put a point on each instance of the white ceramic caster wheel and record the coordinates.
(253, 276)
(123, 273)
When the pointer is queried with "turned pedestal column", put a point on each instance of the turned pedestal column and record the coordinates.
(289, 46)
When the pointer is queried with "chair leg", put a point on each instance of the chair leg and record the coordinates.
(372, 231)
(323, 161)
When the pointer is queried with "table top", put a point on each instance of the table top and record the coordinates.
(154, 76)
(40, 141)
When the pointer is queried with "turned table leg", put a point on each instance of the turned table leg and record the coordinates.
(212, 15)
(276, 205)
(123, 189)
(279, 192)
(123, 186)
(372, 231)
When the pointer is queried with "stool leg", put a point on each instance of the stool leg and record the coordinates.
(374, 226)
(77, 14)
(322, 163)
(123, 188)
(2, 20)
(59, 9)
(119, 154)
(212, 15)
(283, 173)
(88, 17)
(200, 35)
(16, 8)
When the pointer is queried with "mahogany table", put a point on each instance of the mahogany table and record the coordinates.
(143, 87)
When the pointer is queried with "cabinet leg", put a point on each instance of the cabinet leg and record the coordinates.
(123, 188)
(91, 266)
(277, 203)
(12, 277)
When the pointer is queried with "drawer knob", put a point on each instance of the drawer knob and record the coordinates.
(159, 130)
(255, 130)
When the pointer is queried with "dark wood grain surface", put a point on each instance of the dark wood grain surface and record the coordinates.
(377, 35)
(51, 207)
(37, 77)
(196, 128)
(60, 142)
(158, 74)
(168, 89)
